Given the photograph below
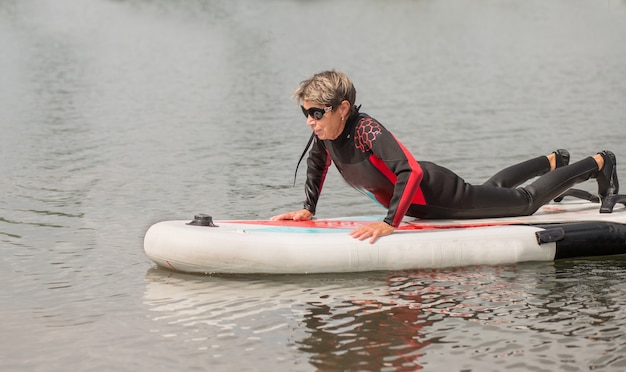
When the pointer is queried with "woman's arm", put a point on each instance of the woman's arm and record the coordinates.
(317, 168)
(392, 159)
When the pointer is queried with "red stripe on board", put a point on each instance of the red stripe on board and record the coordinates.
(422, 226)
(349, 224)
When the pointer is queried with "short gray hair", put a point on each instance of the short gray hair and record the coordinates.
(328, 88)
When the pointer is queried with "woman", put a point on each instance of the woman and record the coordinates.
(374, 162)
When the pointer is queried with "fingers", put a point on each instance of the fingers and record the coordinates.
(301, 215)
(372, 231)
(284, 216)
(362, 235)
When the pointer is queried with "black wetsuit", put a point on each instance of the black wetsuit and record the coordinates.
(374, 162)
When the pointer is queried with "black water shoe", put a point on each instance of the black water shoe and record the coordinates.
(607, 176)
(562, 157)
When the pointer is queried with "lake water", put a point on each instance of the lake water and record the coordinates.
(115, 115)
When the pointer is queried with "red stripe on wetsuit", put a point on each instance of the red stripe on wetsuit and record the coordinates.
(412, 192)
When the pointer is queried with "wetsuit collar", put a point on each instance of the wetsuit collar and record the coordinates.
(347, 129)
(345, 134)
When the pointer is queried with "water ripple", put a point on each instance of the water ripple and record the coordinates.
(406, 320)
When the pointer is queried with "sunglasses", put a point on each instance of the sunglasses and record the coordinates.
(315, 112)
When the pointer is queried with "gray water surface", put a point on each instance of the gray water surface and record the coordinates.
(115, 115)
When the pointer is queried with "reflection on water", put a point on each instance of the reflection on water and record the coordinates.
(365, 334)
(521, 315)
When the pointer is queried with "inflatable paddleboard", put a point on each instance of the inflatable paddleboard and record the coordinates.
(558, 230)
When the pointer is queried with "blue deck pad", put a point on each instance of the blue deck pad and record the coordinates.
(299, 230)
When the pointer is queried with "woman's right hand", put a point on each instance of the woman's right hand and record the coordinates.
(301, 215)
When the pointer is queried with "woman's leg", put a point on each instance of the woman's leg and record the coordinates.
(449, 196)
(553, 184)
(517, 174)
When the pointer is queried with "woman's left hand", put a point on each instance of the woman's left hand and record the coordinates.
(373, 231)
